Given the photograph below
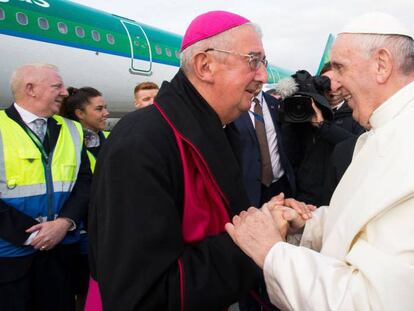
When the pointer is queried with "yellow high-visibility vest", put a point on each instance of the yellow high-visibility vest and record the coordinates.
(30, 183)
(92, 159)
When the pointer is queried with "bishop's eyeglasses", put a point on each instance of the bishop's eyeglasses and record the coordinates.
(253, 60)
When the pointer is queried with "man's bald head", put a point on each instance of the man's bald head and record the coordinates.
(38, 88)
(30, 73)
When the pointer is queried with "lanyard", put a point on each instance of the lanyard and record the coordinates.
(37, 142)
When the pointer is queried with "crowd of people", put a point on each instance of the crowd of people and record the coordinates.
(213, 193)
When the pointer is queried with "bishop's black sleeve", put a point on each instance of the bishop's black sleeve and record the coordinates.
(13, 224)
(137, 253)
(76, 207)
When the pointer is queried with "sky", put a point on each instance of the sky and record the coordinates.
(294, 31)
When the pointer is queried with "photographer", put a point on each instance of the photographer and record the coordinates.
(316, 119)
(343, 134)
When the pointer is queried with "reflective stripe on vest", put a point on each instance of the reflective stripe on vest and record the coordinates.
(22, 172)
(25, 177)
(92, 159)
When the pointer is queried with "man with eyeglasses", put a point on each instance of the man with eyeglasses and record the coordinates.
(45, 182)
(171, 181)
(254, 59)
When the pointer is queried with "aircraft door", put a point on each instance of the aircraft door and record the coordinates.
(141, 57)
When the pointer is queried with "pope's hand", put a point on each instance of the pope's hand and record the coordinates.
(289, 215)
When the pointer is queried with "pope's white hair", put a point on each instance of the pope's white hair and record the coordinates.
(401, 47)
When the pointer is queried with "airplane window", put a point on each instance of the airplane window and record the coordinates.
(43, 23)
(2, 15)
(110, 38)
(96, 36)
(168, 52)
(158, 49)
(80, 32)
(177, 54)
(22, 19)
(62, 28)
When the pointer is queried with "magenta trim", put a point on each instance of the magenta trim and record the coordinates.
(181, 269)
(177, 133)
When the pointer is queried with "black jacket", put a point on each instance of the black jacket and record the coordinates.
(309, 150)
(340, 159)
(135, 220)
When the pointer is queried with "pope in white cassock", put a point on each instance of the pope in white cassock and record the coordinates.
(357, 253)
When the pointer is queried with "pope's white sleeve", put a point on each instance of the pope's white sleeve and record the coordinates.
(313, 231)
(298, 278)
(376, 274)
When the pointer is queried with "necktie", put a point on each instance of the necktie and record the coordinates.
(39, 128)
(267, 173)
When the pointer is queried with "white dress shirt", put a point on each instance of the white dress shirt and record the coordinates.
(27, 116)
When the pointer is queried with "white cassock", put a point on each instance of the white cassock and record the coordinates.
(358, 253)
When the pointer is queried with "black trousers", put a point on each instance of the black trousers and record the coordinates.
(46, 285)
(281, 185)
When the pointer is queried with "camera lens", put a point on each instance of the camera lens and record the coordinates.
(298, 109)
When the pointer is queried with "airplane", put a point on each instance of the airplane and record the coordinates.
(326, 56)
(90, 47)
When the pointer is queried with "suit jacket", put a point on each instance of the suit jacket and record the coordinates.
(247, 147)
(359, 252)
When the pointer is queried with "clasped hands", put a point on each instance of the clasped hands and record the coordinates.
(255, 231)
(49, 233)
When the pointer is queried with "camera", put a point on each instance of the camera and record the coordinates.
(297, 93)
(296, 109)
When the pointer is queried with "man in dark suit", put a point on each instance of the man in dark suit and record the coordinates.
(252, 157)
(249, 152)
(44, 192)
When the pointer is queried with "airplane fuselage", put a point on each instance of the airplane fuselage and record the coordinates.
(90, 48)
